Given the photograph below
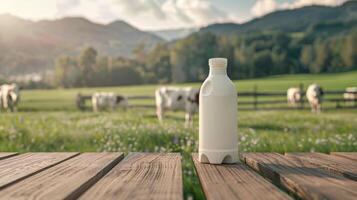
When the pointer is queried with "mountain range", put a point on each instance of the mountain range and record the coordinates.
(175, 34)
(289, 20)
(27, 46)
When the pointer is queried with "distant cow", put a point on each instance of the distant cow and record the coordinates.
(350, 94)
(108, 100)
(10, 96)
(294, 96)
(174, 98)
(314, 95)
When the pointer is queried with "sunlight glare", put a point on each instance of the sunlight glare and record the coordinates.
(34, 9)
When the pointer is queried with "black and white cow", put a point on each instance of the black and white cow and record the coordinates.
(108, 100)
(350, 95)
(294, 96)
(175, 98)
(314, 94)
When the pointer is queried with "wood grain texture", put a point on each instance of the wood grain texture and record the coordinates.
(303, 179)
(334, 164)
(67, 180)
(16, 168)
(349, 155)
(141, 176)
(235, 181)
(4, 155)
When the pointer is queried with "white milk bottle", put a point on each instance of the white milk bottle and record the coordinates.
(218, 116)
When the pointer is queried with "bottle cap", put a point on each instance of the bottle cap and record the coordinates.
(217, 62)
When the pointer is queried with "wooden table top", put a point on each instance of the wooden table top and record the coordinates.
(71, 175)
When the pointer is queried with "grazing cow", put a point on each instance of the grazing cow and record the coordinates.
(10, 96)
(350, 94)
(174, 98)
(314, 95)
(108, 100)
(294, 96)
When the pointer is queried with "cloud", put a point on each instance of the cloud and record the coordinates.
(147, 14)
(35, 9)
(153, 14)
(189, 12)
(66, 5)
(135, 7)
(301, 3)
(98, 11)
(197, 12)
(262, 7)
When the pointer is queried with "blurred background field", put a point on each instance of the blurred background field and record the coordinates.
(64, 99)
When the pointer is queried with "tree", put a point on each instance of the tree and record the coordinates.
(189, 57)
(262, 63)
(140, 52)
(123, 72)
(349, 52)
(280, 64)
(103, 68)
(66, 72)
(242, 60)
(178, 61)
(158, 64)
(322, 57)
(87, 63)
(307, 56)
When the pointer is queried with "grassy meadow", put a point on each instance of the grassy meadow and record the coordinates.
(49, 121)
(64, 99)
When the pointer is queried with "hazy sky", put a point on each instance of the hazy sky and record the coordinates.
(153, 14)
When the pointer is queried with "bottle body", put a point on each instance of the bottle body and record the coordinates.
(218, 119)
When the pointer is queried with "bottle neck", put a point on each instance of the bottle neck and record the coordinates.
(217, 71)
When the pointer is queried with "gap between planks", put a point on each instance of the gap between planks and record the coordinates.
(335, 164)
(67, 180)
(17, 168)
(4, 155)
(349, 155)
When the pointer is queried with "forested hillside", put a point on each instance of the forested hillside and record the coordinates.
(289, 20)
(28, 46)
(312, 39)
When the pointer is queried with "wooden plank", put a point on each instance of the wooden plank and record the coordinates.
(349, 155)
(334, 164)
(235, 181)
(141, 176)
(4, 155)
(303, 179)
(19, 167)
(67, 180)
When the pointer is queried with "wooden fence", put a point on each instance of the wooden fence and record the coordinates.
(257, 100)
(254, 104)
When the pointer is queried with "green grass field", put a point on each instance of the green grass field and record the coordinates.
(64, 99)
(49, 121)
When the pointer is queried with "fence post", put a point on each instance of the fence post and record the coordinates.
(255, 95)
(301, 86)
